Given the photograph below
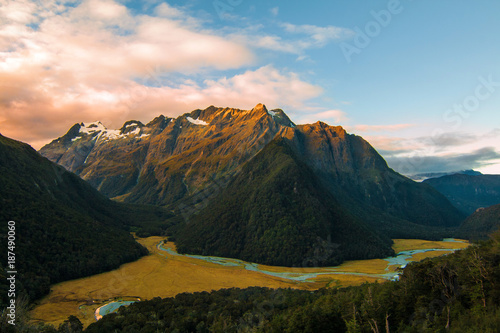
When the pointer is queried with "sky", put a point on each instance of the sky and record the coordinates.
(418, 79)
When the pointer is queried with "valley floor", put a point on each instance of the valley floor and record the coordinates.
(164, 273)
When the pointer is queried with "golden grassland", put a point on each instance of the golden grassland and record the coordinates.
(420, 244)
(162, 275)
(151, 276)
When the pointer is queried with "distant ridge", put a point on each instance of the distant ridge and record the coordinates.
(468, 192)
(423, 176)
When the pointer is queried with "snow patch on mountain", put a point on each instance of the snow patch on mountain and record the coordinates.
(132, 125)
(92, 128)
(104, 133)
(197, 121)
(272, 113)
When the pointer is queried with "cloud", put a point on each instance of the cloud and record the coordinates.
(455, 139)
(318, 36)
(444, 163)
(391, 146)
(446, 152)
(61, 63)
(381, 128)
(165, 10)
(295, 39)
(332, 117)
(275, 11)
(103, 37)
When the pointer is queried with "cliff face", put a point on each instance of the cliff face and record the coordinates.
(358, 176)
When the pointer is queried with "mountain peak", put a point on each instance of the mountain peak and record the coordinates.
(260, 106)
(94, 126)
(131, 126)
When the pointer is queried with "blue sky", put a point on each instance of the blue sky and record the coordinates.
(420, 80)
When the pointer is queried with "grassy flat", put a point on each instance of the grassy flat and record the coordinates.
(420, 244)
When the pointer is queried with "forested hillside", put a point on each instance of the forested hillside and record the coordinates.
(480, 224)
(64, 228)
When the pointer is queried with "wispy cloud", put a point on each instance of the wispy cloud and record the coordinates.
(294, 39)
(316, 35)
(332, 117)
(275, 11)
(381, 128)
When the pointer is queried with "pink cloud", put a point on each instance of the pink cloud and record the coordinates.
(381, 128)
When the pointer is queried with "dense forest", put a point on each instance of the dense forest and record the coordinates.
(480, 224)
(65, 229)
(277, 212)
(459, 292)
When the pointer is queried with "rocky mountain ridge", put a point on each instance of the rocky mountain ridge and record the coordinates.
(160, 162)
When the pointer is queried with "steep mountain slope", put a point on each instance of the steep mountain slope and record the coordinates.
(481, 223)
(359, 177)
(468, 192)
(64, 228)
(277, 212)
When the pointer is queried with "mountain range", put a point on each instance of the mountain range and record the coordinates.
(210, 168)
